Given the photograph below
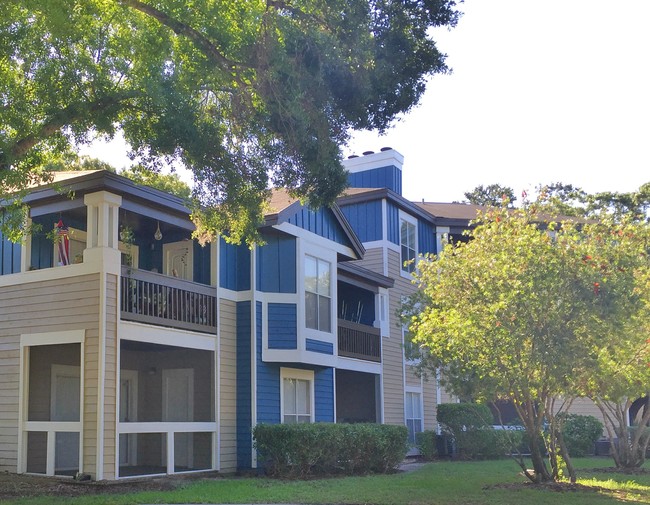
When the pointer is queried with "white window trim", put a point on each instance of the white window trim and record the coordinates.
(296, 373)
(306, 248)
(403, 216)
(418, 391)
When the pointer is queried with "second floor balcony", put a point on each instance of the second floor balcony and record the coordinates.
(153, 298)
(359, 341)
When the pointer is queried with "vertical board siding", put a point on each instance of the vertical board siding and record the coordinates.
(40, 307)
(324, 395)
(268, 380)
(9, 253)
(426, 238)
(282, 325)
(366, 219)
(320, 222)
(201, 263)
(234, 270)
(276, 264)
(392, 223)
(244, 399)
(383, 177)
(227, 356)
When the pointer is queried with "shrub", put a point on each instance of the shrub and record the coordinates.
(299, 450)
(427, 444)
(471, 426)
(581, 433)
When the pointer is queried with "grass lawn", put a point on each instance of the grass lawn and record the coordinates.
(443, 483)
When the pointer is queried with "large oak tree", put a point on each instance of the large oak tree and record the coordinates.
(245, 93)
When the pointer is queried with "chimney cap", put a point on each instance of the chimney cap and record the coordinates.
(366, 153)
(384, 149)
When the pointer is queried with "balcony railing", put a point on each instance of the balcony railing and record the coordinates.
(359, 341)
(153, 298)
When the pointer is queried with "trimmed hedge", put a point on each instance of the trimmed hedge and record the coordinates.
(470, 424)
(427, 444)
(581, 433)
(301, 450)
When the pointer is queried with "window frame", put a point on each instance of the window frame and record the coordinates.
(409, 393)
(330, 295)
(297, 374)
(405, 219)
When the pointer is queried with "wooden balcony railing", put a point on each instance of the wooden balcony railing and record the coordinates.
(359, 341)
(153, 298)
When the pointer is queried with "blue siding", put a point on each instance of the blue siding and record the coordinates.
(283, 326)
(234, 266)
(324, 393)
(426, 238)
(9, 256)
(268, 380)
(243, 409)
(202, 263)
(393, 223)
(356, 304)
(321, 222)
(365, 219)
(384, 177)
(276, 264)
(319, 346)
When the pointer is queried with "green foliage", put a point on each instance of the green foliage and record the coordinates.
(244, 94)
(300, 450)
(471, 426)
(532, 311)
(459, 417)
(493, 195)
(581, 433)
(170, 183)
(427, 444)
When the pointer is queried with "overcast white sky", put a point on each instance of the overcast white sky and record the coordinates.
(541, 91)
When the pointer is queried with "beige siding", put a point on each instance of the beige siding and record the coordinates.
(39, 307)
(228, 391)
(110, 377)
(373, 260)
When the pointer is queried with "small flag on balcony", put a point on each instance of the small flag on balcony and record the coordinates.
(63, 243)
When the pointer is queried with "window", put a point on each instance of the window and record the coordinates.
(407, 241)
(413, 415)
(297, 396)
(318, 301)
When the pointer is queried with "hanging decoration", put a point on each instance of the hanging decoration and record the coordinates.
(158, 234)
(63, 242)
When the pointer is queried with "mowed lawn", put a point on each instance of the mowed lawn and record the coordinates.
(443, 483)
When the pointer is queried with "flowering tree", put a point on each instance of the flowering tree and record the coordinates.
(520, 313)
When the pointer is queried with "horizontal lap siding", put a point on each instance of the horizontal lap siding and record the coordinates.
(39, 307)
(227, 357)
(110, 378)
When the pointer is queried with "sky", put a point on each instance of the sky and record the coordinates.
(541, 91)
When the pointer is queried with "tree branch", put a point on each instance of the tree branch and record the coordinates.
(202, 43)
(64, 117)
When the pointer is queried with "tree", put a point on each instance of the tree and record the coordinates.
(493, 195)
(520, 313)
(170, 183)
(245, 94)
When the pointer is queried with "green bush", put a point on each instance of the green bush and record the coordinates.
(581, 433)
(426, 442)
(300, 450)
(471, 426)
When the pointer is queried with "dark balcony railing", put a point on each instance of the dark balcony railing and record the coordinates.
(153, 298)
(359, 341)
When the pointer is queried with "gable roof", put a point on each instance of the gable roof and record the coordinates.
(359, 195)
(283, 208)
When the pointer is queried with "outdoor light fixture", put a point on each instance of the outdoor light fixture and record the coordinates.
(158, 234)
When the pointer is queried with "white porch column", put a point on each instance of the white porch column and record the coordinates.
(102, 226)
(26, 252)
(442, 237)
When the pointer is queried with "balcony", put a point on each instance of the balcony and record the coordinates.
(359, 341)
(152, 298)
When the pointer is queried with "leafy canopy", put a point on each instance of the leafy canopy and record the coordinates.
(532, 311)
(493, 195)
(246, 94)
